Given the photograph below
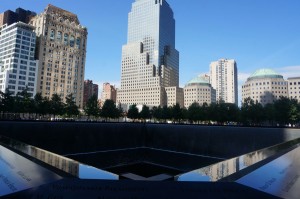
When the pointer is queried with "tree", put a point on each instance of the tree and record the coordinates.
(184, 113)
(282, 110)
(212, 112)
(92, 107)
(133, 112)
(194, 112)
(121, 111)
(205, 112)
(232, 112)
(145, 113)
(7, 101)
(166, 113)
(25, 103)
(246, 113)
(294, 112)
(109, 110)
(258, 113)
(41, 104)
(176, 113)
(56, 105)
(156, 112)
(71, 109)
(269, 112)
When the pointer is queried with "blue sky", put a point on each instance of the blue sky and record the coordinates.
(256, 33)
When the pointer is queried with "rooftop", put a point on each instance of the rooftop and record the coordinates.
(199, 80)
(264, 73)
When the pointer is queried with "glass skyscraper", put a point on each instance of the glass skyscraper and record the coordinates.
(18, 67)
(150, 62)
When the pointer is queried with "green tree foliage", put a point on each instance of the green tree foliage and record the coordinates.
(286, 111)
(133, 112)
(109, 110)
(121, 111)
(269, 111)
(166, 113)
(145, 113)
(156, 112)
(282, 106)
(41, 104)
(7, 101)
(283, 111)
(56, 105)
(176, 113)
(194, 112)
(70, 108)
(24, 103)
(92, 107)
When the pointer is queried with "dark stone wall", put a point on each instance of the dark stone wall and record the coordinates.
(217, 141)
(70, 137)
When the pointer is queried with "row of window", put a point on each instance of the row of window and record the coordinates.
(67, 39)
(21, 77)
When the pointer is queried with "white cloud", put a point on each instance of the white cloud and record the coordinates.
(289, 71)
(242, 77)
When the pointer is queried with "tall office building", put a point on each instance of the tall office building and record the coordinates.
(18, 68)
(109, 92)
(61, 51)
(89, 90)
(150, 62)
(9, 17)
(223, 78)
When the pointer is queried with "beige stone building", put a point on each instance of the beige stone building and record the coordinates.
(199, 90)
(89, 90)
(109, 92)
(265, 86)
(294, 87)
(174, 95)
(150, 61)
(61, 47)
(223, 78)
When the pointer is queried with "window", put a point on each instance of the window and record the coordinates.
(72, 40)
(12, 76)
(66, 38)
(78, 43)
(12, 81)
(58, 37)
(21, 83)
(22, 77)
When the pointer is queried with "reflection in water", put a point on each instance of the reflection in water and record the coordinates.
(18, 173)
(67, 165)
(280, 177)
(226, 168)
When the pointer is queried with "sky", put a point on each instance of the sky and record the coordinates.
(256, 33)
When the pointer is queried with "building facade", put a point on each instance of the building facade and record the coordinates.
(9, 17)
(19, 67)
(294, 88)
(174, 95)
(199, 90)
(89, 90)
(61, 52)
(264, 86)
(109, 92)
(150, 62)
(223, 78)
